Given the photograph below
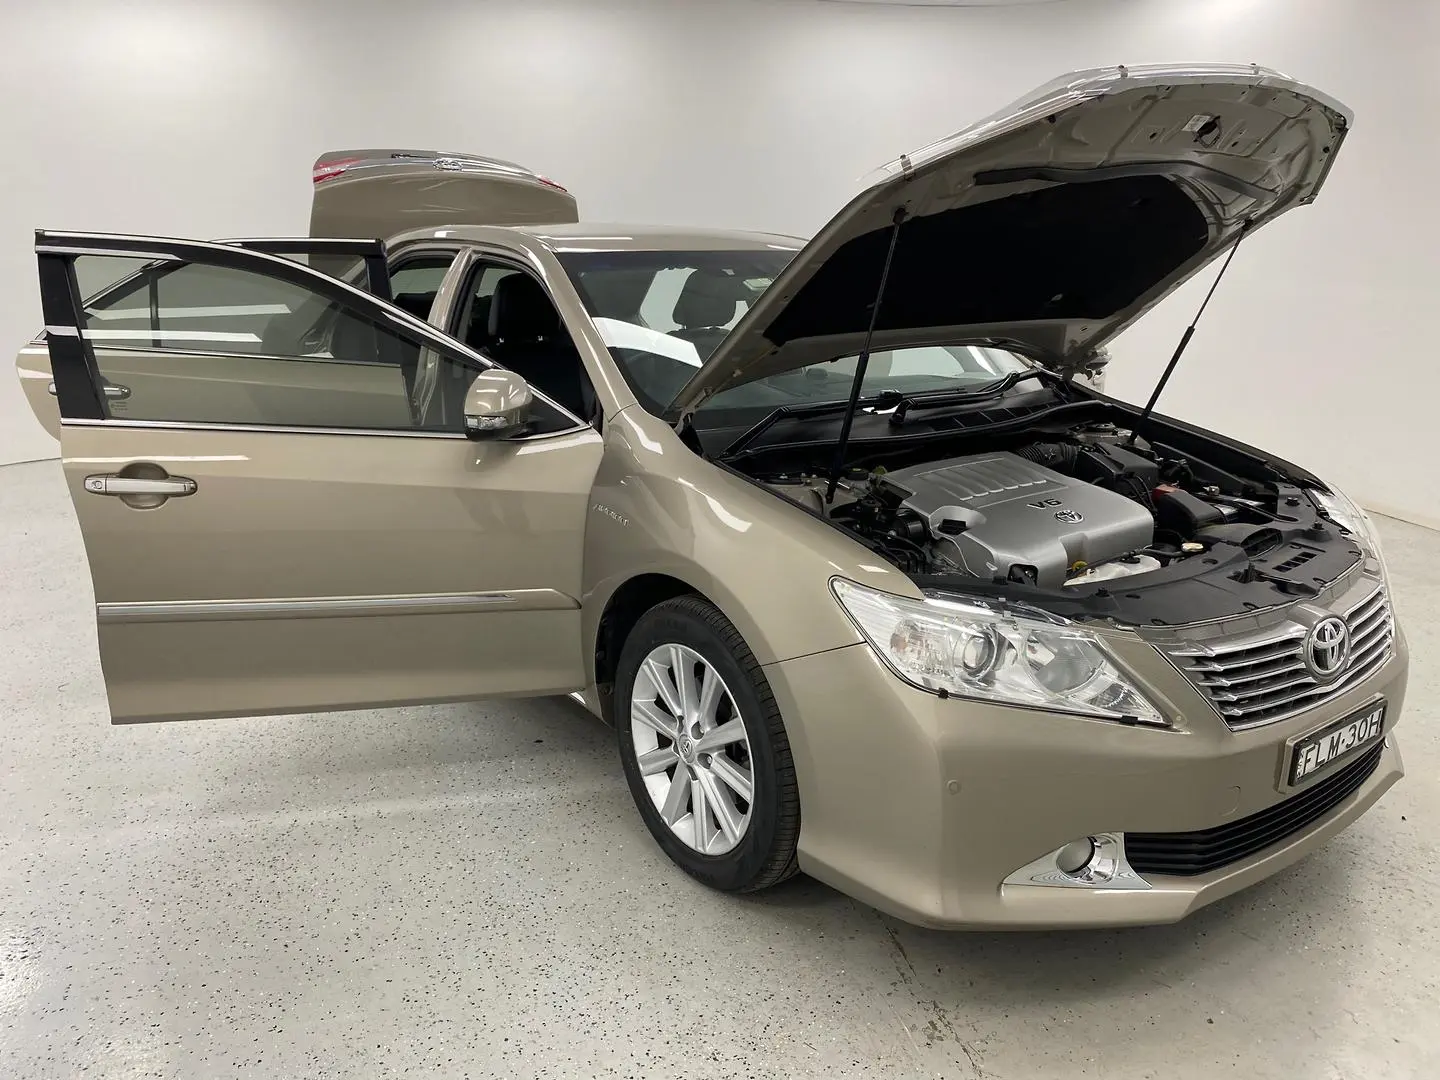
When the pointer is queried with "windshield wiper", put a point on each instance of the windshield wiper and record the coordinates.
(902, 403)
(884, 400)
(931, 399)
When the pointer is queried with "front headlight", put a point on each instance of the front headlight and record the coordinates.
(991, 653)
(1345, 513)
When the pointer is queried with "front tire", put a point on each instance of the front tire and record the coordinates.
(704, 748)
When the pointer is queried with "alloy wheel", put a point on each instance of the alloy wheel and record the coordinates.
(692, 748)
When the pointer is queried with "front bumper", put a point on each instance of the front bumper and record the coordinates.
(922, 807)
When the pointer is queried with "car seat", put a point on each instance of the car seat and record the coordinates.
(417, 303)
(705, 306)
(527, 337)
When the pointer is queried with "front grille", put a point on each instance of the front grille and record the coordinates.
(1185, 854)
(1260, 678)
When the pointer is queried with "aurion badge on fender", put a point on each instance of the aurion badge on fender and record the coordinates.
(1317, 751)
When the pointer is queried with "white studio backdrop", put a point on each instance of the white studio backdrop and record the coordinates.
(177, 118)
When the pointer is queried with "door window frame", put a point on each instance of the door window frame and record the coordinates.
(77, 378)
(465, 269)
(471, 266)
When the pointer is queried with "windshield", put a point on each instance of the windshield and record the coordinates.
(662, 313)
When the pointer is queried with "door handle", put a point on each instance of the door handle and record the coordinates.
(171, 487)
(113, 391)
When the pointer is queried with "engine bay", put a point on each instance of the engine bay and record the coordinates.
(1067, 519)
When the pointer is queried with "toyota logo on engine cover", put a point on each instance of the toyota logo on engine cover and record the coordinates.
(1327, 648)
(1069, 517)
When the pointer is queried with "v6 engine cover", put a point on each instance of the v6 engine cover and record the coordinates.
(1001, 517)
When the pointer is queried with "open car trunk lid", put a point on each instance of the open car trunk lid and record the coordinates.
(1046, 228)
(374, 194)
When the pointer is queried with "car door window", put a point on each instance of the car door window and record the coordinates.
(471, 323)
(508, 315)
(192, 306)
(412, 284)
(359, 262)
(96, 275)
(416, 281)
(216, 343)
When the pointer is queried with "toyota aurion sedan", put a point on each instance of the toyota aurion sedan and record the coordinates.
(843, 537)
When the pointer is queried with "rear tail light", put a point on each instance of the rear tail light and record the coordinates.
(328, 170)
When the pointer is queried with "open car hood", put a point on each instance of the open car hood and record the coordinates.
(1048, 227)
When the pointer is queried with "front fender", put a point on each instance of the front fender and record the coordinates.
(659, 508)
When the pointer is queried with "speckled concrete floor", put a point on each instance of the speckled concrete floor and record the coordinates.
(467, 891)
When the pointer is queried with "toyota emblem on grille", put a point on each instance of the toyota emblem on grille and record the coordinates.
(1070, 517)
(1327, 648)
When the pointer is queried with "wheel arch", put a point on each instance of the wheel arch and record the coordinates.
(626, 603)
(665, 522)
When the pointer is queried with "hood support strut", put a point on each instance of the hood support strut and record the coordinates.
(863, 362)
(1144, 416)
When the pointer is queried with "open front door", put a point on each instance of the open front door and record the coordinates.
(285, 519)
(120, 294)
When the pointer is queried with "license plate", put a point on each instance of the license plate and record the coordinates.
(1323, 749)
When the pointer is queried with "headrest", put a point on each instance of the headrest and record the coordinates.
(521, 310)
(707, 299)
(417, 304)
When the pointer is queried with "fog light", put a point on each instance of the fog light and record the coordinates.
(1090, 862)
(1075, 856)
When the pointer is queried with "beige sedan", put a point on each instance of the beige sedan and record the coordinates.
(870, 578)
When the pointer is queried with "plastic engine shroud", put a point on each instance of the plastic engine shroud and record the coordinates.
(1000, 517)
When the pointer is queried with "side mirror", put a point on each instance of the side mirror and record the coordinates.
(497, 405)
